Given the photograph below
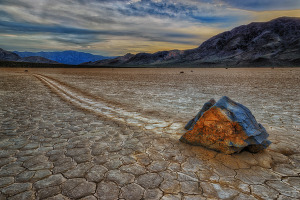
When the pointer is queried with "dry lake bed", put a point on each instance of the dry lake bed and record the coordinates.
(113, 134)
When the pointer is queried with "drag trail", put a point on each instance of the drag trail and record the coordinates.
(107, 109)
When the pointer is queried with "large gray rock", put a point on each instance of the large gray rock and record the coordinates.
(228, 127)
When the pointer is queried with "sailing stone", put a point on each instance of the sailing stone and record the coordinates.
(228, 127)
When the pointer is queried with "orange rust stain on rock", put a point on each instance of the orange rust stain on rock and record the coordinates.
(216, 131)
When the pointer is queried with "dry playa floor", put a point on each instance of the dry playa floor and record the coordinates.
(113, 134)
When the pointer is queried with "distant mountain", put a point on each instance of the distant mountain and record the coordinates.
(37, 59)
(140, 59)
(65, 57)
(10, 56)
(273, 43)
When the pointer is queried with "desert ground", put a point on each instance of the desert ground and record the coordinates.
(113, 134)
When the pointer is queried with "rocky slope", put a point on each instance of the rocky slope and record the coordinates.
(140, 59)
(10, 56)
(37, 59)
(65, 57)
(273, 43)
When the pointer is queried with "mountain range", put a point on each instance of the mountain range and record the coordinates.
(65, 57)
(273, 43)
(10, 56)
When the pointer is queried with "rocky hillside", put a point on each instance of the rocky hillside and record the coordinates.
(37, 59)
(10, 56)
(65, 57)
(273, 43)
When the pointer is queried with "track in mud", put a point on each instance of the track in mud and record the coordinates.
(106, 109)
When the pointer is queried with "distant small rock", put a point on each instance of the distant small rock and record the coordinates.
(228, 127)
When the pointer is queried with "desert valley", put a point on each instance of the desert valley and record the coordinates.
(76, 125)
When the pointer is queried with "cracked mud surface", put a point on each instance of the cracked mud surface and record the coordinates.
(113, 134)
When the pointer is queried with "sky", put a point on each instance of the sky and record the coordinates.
(117, 27)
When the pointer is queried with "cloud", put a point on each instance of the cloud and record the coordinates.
(118, 26)
(263, 16)
(264, 5)
(40, 28)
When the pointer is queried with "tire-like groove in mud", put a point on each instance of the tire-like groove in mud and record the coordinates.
(107, 109)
